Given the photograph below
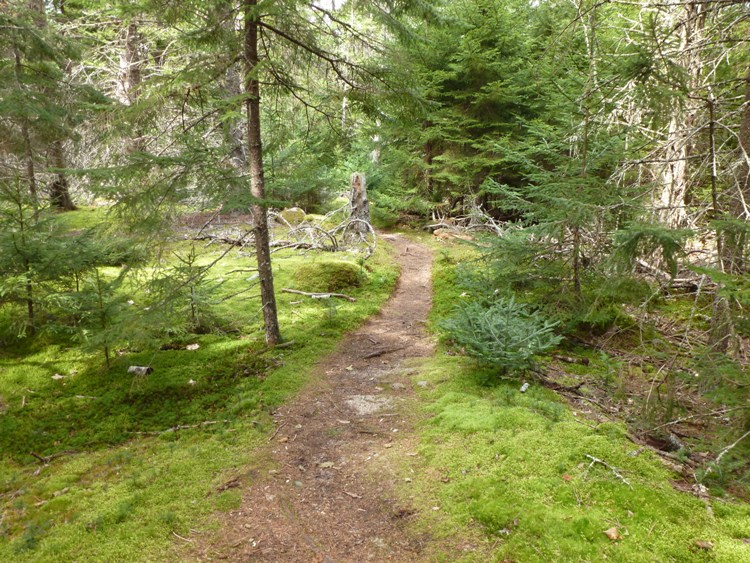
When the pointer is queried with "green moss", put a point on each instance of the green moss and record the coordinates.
(328, 275)
(514, 467)
(293, 215)
(128, 484)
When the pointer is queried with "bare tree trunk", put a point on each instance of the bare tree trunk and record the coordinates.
(735, 240)
(721, 334)
(359, 202)
(129, 78)
(255, 157)
(671, 202)
(235, 133)
(731, 242)
(59, 192)
(675, 173)
(59, 188)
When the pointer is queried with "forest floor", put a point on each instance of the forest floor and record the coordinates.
(329, 496)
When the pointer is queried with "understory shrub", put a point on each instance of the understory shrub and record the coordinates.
(504, 334)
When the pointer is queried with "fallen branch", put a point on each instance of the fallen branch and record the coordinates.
(699, 415)
(182, 427)
(668, 455)
(595, 460)
(569, 360)
(383, 352)
(319, 295)
(277, 347)
(731, 447)
(223, 239)
(46, 459)
(277, 431)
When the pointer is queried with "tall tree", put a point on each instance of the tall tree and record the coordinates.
(255, 161)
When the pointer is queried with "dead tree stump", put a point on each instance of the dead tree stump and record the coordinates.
(360, 204)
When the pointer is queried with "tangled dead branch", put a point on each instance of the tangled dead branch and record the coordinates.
(476, 220)
(324, 234)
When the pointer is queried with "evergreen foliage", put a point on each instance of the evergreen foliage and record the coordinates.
(504, 334)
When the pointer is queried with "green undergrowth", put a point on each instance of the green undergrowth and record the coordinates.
(120, 484)
(516, 467)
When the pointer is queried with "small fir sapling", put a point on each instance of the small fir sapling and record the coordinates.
(504, 334)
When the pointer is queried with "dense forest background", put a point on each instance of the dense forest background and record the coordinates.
(594, 156)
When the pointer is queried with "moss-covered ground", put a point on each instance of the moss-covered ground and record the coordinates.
(118, 484)
(511, 471)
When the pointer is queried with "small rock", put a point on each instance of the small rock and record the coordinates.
(398, 386)
(408, 480)
(192, 346)
(192, 382)
(326, 465)
(58, 377)
(298, 484)
(704, 545)
(613, 534)
(423, 384)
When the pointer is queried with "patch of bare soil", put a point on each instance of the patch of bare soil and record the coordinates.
(331, 498)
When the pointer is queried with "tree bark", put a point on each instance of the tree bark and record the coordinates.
(59, 187)
(129, 78)
(255, 160)
(679, 145)
(360, 203)
(59, 190)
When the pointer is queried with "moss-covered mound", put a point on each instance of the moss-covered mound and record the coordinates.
(294, 215)
(327, 276)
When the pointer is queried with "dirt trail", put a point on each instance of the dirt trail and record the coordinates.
(325, 501)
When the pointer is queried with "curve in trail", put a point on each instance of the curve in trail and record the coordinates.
(330, 499)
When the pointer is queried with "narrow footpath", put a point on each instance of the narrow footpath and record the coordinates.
(329, 497)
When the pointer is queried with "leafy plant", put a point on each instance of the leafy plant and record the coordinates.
(505, 334)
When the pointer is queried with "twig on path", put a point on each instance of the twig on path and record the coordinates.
(277, 431)
(595, 460)
(383, 352)
(319, 295)
(180, 537)
(335, 406)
